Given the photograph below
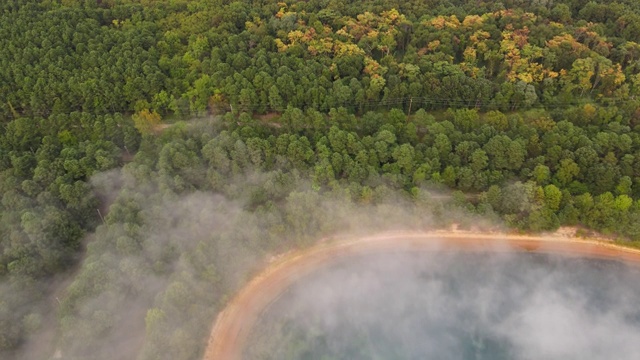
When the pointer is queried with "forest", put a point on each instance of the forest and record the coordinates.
(153, 152)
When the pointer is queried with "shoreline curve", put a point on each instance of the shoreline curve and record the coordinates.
(234, 323)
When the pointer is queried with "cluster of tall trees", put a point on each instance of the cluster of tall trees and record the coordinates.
(529, 111)
(536, 171)
(190, 57)
(47, 203)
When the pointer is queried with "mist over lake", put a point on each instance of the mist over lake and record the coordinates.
(445, 305)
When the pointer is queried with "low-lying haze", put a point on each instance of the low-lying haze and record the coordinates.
(455, 306)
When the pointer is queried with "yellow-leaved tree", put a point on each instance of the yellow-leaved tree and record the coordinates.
(146, 121)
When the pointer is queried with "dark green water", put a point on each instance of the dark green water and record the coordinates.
(456, 306)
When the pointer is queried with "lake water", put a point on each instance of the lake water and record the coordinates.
(455, 306)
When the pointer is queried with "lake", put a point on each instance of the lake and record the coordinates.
(447, 305)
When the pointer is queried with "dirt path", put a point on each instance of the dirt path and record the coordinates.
(234, 323)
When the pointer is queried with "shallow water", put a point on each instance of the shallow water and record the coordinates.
(455, 306)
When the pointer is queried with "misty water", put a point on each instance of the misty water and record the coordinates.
(455, 306)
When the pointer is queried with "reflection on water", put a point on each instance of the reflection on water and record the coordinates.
(456, 306)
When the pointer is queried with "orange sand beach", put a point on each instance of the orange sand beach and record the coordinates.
(235, 322)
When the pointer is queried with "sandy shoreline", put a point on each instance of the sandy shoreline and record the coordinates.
(235, 322)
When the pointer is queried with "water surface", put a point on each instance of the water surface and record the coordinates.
(455, 306)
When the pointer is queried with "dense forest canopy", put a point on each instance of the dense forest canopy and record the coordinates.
(528, 110)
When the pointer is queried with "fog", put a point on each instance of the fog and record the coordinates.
(165, 262)
(455, 306)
